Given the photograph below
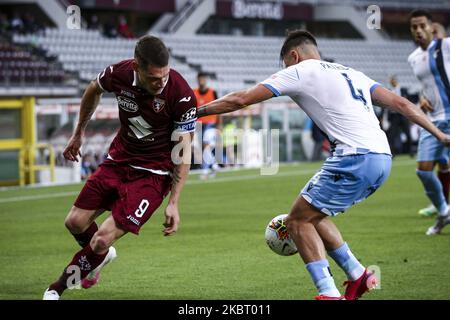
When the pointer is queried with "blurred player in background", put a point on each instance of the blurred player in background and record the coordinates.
(398, 124)
(439, 31)
(204, 94)
(339, 100)
(139, 172)
(431, 65)
(230, 143)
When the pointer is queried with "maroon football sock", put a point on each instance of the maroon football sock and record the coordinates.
(444, 177)
(86, 260)
(85, 237)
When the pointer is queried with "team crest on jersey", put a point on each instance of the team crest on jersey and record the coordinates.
(158, 104)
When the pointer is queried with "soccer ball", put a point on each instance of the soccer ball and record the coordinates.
(278, 238)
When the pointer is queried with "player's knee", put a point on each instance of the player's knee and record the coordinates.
(425, 166)
(74, 224)
(100, 243)
(425, 175)
(295, 222)
(291, 223)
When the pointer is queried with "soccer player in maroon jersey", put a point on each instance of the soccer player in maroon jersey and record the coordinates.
(157, 111)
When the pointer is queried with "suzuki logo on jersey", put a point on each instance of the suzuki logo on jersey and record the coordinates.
(190, 114)
(185, 99)
(158, 104)
(127, 104)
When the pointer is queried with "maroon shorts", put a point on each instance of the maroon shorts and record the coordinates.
(131, 194)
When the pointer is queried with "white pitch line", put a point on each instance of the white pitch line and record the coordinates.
(39, 196)
(190, 182)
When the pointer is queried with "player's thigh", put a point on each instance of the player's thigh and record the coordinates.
(78, 220)
(426, 165)
(431, 150)
(303, 211)
(108, 233)
(331, 190)
(139, 199)
(344, 181)
(374, 171)
(100, 190)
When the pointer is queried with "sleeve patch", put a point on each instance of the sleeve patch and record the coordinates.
(274, 91)
(373, 87)
(186, 126)
(188, 115)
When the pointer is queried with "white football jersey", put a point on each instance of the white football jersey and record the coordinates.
(338, 100)
(432, 69)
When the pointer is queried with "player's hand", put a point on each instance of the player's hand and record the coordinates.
(72, 150)
(445, 140)
(172, 219)
(425, 104)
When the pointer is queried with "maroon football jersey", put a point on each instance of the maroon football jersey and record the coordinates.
(147, 121)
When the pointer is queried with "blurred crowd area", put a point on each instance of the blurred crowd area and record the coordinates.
(20, 23)
(27, 23)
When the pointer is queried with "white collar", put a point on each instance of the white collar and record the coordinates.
(135, 79)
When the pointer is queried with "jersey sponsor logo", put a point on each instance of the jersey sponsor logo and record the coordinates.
(186, 126)
(134, 220)
(127, 104)
(126, 93)
(188, 115)
(186, 99)
(158, 104)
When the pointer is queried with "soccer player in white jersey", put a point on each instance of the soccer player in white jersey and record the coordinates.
(339, 100)
(431, 65)
(439, 32)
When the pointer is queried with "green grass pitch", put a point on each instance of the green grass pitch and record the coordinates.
(219, 251)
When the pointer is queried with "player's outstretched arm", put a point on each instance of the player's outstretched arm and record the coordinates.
(235, 101)
(179, 176)
(89, 103)
(385, 98)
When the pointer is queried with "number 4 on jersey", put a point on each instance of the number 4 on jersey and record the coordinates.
(357, 95)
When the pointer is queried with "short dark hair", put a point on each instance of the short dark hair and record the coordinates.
(296, 38)
(151, 50)
(420, 13)
(202, 74)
